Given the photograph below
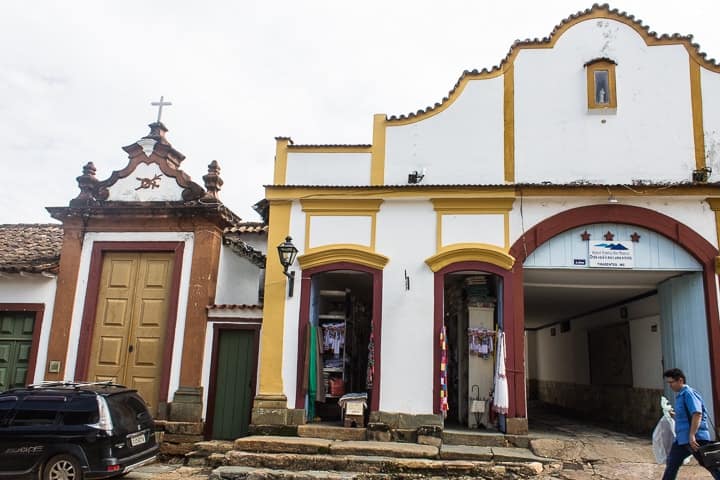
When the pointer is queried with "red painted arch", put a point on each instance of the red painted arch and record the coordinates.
(377, 276)
(702, 250)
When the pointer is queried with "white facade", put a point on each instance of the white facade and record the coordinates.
(510, 155)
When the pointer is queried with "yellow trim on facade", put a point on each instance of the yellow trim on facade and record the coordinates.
(341, 207)
(428, 191)
(470, 252)
(341, 253)
(271, 340)
(715, 207)
(596, 66)
(377, 163)
(281, 150)
(509, 124)
(473, 205)
(697, 114)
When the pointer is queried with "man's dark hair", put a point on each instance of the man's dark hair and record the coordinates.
(674, 373)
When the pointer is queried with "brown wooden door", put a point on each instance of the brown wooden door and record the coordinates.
(130, 321)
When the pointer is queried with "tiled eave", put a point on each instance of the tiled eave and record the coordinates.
(253, 313)
(30, 249)
(248, 227)
(579, 188)
(244, 250)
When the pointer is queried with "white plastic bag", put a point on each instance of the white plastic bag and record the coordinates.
(664, 433)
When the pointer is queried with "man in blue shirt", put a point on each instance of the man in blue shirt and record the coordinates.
(691, 424)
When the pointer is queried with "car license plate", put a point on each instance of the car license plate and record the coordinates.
(137, 439)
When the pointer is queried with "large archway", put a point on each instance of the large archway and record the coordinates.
(666, 226)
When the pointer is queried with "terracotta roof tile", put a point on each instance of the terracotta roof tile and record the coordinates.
(329, 145)
(248, 227)
(233, 306)
(31, 248)
(244, 250)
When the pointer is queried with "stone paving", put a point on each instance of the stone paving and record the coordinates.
(583, 451)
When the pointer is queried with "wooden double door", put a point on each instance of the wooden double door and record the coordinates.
(16, 333)
(130, 327)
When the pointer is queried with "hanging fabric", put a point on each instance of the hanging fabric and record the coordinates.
(480, 342)
(443, 373)
(370, 374)
(312, 373)
(501, 401)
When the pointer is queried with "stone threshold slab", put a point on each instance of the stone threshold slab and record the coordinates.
(277, 444)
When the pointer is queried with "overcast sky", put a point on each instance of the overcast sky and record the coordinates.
(77, 77)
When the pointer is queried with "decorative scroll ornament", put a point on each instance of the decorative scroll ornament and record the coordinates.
(151, 183)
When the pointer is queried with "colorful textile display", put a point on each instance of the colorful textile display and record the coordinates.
(502, 398)
(333, 337)
(371, 359)
(443, 373)
(480, 342)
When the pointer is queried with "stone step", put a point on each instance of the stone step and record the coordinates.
(331, 432)
(376, 464)
(277, 444)
(476, 439)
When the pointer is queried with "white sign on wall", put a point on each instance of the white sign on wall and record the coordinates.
(610, 254)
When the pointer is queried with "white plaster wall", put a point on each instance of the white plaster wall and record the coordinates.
(238, 279)
(565, 357)
(693, 213)
(328, 169)
(256, 240)
(710, 82)
(124, 189)
(462, 144)
(650, 136)
(406, 383)
(33, 289)
(82, 285)
(330, 229)
(486, 228)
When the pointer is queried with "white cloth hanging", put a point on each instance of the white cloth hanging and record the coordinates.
(501, 399)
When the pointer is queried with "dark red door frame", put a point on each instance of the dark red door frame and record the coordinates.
(439, 315)
(38, 311)
(377, 276)
(212, 387)
(91, 298)
(702, 250)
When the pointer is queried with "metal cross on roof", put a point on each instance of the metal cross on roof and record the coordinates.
(160, 104)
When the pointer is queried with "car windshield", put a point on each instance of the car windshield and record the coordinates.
(128, 412)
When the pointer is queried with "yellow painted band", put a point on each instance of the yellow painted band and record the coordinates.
(697, 114)
(281, 156)
(470, 252)
(271, 351)
(473, 205)
(340, 206)
(342, 253)
(509, 124)
(377, 163)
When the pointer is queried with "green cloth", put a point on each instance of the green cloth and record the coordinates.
(312, 374)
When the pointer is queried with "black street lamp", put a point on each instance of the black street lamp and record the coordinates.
(287, 253)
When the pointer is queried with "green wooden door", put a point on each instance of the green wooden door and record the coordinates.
(233, 384)
(16, 331)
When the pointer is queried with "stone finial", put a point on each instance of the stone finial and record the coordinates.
(87, 182)
(213, 182)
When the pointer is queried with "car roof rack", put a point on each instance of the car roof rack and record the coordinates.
(68, 383)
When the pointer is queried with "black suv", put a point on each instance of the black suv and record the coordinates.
(71, 431)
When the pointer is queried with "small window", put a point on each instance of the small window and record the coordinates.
(601, 92)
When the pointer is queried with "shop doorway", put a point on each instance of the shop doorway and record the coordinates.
(340, 350)
(599, 338)
(472, 302)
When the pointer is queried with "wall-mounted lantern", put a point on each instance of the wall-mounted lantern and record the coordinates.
(287, 253)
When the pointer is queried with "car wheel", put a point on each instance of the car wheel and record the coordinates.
(62, 467)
